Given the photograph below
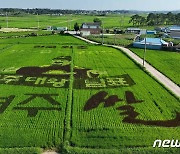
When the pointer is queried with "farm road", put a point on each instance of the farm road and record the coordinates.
(154, 72)
(68, 20)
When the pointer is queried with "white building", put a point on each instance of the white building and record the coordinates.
(90, 28)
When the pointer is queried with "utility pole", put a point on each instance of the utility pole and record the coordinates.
(123, 20)
(145, 46)
(38, 21)
(115, 31)
(102, 33)
(7, 20)
(69, 22)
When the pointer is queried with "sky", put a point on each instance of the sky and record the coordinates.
(144, 5)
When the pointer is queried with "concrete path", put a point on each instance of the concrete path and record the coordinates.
(86, 40)
(154, 72)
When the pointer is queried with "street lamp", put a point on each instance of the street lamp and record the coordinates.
(145, 46)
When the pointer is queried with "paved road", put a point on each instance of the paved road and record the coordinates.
(154, 72)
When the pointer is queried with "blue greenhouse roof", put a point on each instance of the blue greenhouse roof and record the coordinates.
(155, 41)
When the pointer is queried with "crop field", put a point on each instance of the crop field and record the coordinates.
(11, 34)
(119, 39)
(165, 61)
(60, 92)
(65, 20)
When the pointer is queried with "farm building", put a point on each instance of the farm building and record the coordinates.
(58, 29)
(51, 28)
(90, 28)
(160, 29)
(144, 31)
(139, 31)
(133, 30)
(151, 43)
(151, 32)
(174, 32)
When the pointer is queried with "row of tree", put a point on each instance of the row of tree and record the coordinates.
(155, 19)
(18, 11)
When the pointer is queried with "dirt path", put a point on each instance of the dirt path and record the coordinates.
(16, 30)
(154, 72)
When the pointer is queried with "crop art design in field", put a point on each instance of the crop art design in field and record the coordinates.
(57, 75)
(32, 111)
(128, 110)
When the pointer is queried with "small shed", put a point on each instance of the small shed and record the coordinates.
(60, 29)
(133, 30)
(151, 43)
(51, 28)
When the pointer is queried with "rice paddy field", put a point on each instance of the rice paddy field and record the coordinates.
(165, 61)
(31, 21)
(118, 39)
(12, 34)
(58, 92)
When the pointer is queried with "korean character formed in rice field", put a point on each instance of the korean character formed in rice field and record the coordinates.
(116, 81)
(5, 102)
(41, 80)
(37, 81)
(96, 83)
(10, 78)
(57, 84)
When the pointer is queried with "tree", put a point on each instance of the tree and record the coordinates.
(97, 20)
(76, 27)
(170, 18)
(142, 21)
(135, 19)
(151, 19)
(177, 19)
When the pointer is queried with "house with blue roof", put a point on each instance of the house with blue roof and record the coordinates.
(151, 43)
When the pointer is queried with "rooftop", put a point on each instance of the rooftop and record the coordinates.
(174, 28)
(132, 28)
(156, 41)
(92, 23)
